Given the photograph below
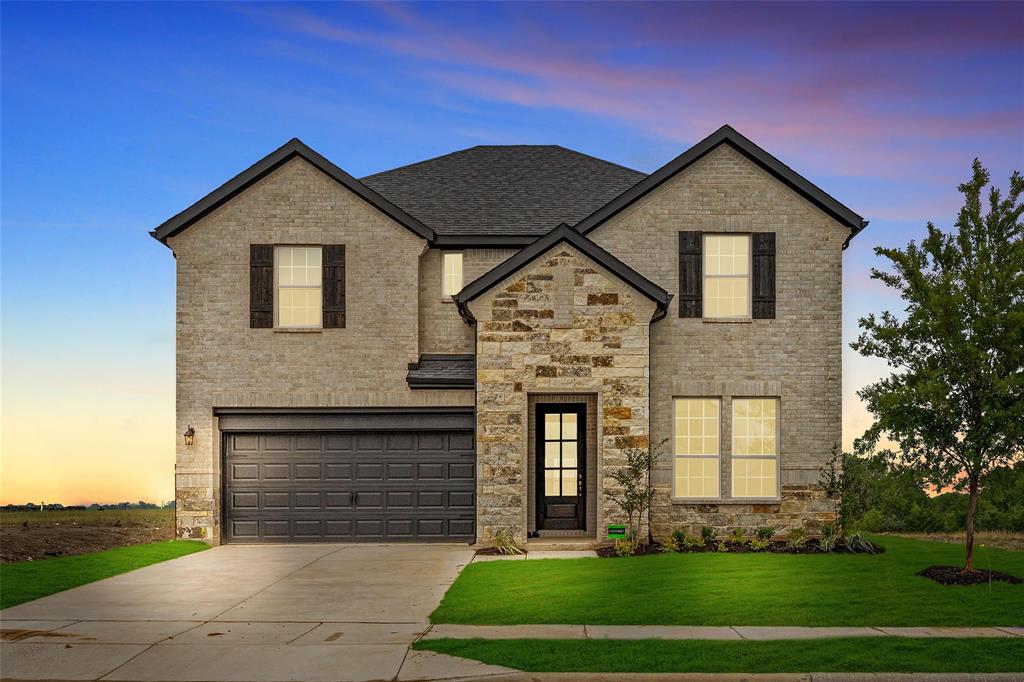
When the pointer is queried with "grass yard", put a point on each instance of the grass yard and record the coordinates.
(865, 654)
(30, 580)
(89, 517)
(739, 589)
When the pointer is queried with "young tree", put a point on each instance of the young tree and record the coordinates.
(955, 402)
(634, 491)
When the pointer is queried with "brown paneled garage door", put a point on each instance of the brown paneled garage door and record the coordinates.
(338, 486)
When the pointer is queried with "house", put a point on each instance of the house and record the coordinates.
(471, 343)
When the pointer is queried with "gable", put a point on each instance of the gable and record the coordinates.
(727, 136)
(292, 149)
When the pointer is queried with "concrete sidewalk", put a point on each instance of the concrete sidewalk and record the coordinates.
(752, 633)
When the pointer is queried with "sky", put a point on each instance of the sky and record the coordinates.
(115, 116)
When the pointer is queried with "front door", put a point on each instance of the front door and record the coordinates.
(561, 466)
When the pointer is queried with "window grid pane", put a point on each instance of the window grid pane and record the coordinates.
(726, 275)
(299, 293)
(451, 281)
(696, 447)
(755, 470)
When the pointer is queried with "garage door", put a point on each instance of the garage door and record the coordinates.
(350, 486)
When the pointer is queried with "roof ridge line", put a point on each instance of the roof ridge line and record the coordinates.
(420, 162)
(598, 158)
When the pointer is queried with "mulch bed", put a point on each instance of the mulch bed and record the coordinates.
(776, 547)
(493, 551)
(956, 575)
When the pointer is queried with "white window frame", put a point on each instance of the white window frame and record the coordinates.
(675, 456)
(705, 276)
(278, 286)
(462, 273)
(778, 447)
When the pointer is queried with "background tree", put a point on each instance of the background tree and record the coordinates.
(955, 402)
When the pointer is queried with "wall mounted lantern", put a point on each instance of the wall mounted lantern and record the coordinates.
(190, 435)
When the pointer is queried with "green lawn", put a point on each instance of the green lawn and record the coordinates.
(865, 654)
(739, 589)
(30, 580)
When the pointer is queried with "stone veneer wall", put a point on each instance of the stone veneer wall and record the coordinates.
(221, 362)
(796, 357)
(559, 325)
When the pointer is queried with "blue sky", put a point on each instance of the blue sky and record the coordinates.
(116, 116)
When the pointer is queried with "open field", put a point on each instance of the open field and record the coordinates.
(34, 579)
(864, 654)
(988, 538)
(27, 536)
(740, 589)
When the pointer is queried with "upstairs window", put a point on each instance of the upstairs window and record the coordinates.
(727, 275)
(451, 274)
(298, 276)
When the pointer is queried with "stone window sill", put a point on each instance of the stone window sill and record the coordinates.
(726, 320)
(297, 330)
(730, 501)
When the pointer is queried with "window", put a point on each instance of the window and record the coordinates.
(755, 447)
(297, 279)
(727, 275)
(451, 274)
(696, 447)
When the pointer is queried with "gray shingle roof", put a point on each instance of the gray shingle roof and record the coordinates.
(514, 190)
(443, 371)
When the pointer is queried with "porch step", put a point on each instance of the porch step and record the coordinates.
(561, 544)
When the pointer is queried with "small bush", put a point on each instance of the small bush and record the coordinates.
(625, 547)
(738, 536)
(678, 537)
(505, 543)
(759, 544)
(722, 547)
(797, 538)
(830, 537)
(765, 532)
(708, 534)
(856, 542)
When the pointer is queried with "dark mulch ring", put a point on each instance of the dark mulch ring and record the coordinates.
(776, 547)
(956, 575)
(493, 551)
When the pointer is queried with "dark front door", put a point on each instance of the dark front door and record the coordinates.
(561, 466)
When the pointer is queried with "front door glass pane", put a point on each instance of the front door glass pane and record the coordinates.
(561, 454)
(551, 483)
(569, 453)
(551, 455)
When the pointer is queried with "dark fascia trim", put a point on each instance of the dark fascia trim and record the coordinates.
(482, 241)
(292, 148)
(562, 233)
(440, 382)
(345, 419)
(727, 135)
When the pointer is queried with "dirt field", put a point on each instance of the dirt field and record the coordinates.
(28, 536)
(989, 538)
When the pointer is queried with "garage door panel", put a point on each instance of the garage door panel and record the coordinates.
(338, 487)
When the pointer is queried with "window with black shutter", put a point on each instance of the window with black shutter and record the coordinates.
(261, 286)
(690, 293)
(763, 286)
(334, 286)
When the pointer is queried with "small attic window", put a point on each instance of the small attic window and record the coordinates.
(451, 274)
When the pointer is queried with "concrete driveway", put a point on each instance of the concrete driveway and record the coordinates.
(257, 612)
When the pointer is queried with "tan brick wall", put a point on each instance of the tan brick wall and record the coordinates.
(443, 330)
(221, 362)
(528, 344)
(796, 356)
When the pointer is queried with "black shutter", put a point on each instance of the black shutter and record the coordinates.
(764, 275)
(261, 286)
(334, 286)
(690, 279)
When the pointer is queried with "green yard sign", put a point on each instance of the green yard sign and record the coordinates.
(616, 532)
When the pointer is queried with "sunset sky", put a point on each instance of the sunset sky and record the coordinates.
(116, 116)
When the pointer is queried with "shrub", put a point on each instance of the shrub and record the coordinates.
(678, 537)
(759, 544)
(797, 538)
(765, 533)
(856, 542)
(722, 547)
(625, 547)
(505, 543)
(708, 534)
(738, 536)
(830, 537)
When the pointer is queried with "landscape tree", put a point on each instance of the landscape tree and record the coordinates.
(954, 403)
(634, 489)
